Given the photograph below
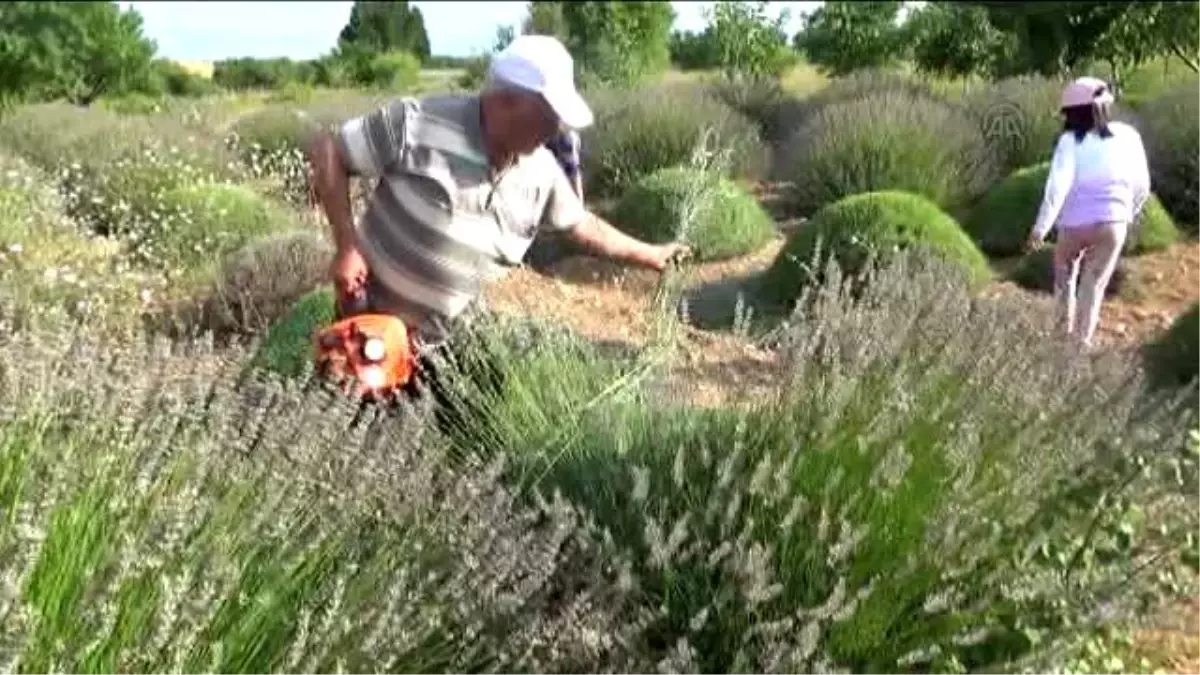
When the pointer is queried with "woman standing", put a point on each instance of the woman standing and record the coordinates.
(1098, 183)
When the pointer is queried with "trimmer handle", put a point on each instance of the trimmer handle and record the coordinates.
(352, 304)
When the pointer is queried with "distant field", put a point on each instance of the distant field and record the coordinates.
(199, 68)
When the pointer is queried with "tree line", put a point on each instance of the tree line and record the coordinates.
(1001, 38)
(79, 51)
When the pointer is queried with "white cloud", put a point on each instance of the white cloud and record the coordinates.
(220, 30)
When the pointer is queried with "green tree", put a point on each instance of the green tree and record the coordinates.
(693, 51)
(546, 18)
(841, 37)
(1054, 38)
(955, 39)
(747, 42)
(619, 42)
(76, 51)
(504, 37)
(1149, 30)
(251, 73)
(386, 27)
(1175, 25)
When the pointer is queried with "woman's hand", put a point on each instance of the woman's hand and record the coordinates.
(1032, 243)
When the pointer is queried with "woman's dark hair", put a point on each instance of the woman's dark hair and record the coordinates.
(1081, 119)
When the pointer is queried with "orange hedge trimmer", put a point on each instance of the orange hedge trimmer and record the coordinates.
(374, 350)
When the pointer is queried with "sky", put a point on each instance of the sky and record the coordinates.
(209, 31)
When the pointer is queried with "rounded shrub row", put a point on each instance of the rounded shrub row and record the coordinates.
(867, 230)
(1000, 221)
(287, 348)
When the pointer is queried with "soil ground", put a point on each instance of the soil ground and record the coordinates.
(608, 303)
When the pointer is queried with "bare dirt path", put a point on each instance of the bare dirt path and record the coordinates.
(605, 302)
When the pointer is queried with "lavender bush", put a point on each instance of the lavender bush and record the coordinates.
(892, 140)
(935, 486)
(161, 515)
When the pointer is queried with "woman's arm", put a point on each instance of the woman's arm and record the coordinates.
(1058, 185)
(1140, 167)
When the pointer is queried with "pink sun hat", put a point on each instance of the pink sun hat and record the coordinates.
(1086, 91)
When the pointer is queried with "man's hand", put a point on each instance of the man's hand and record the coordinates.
(665, 254)
(1032, 243)
(599, 237)
(348, 272)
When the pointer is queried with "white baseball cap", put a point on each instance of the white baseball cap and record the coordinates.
(541, 64)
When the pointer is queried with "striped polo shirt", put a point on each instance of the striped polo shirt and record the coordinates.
(439, 222)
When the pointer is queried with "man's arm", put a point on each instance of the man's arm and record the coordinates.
(601, 238)
(331, 182)
(362, 146)
(566, 214)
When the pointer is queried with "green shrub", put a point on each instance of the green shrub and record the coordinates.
(281, 128)
(170, 512)
(292, 92)
(393, 71)
(1154, 229)
(886, 141)
(1173, 358)
(1001, 220)
(474, 73)
(58, 138)
(205, 222)
(1173, 148)
(639, 132)
(915, 497)
(173, 79)
(865, 229)
(714, 216)
(287, 348)
(1035, 271)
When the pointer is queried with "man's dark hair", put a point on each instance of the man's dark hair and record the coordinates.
(1081, 119)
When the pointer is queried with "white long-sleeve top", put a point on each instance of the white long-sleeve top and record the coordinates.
(1096, 180)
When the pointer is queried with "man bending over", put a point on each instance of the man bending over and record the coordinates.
(463, 184)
